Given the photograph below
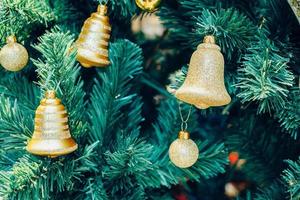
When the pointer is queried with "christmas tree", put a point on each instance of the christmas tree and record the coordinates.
(115, 74)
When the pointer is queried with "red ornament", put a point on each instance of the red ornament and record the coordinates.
(233, 157)
(181, 196)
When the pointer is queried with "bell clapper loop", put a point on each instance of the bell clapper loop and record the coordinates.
(184, 125)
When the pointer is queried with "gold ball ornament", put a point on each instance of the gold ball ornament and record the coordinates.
(204, 84)
(150, 25)
(92, 43)
(148, 5)
(13, 56)
(51, 135)
(183, 152)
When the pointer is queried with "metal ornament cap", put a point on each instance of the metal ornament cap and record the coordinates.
(204, 84)
(183, 152)
(51, 135)
(13, 56)
(184, 135)
(92, 43)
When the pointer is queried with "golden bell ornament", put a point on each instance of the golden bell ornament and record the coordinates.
(51, 135)
(204, 84)
(183, 152)
(93, 40)
(13, 56)
(148, 5)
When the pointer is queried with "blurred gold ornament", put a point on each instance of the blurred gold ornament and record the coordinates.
(92, 43)
(51, 135)
(240, 163)
(13, 56)
(204, 84)
(231, 190)
(150, 25)
(148, 5)
(183, 152)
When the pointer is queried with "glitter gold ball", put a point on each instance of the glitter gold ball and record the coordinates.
(51, 135)
(148, 5)
(183, 152)
(204, 84)
(92, 43)
(13, 56)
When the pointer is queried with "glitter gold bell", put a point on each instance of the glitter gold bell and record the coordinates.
(204, 84)
(148, 5)
(51, 135)
(183, 152)
(92, 43)
(13, 56)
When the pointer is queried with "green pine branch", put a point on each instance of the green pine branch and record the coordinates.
(289, 116)
(43, 178)
(20, 182)
(19, 16)
(19, 100)
(16, 125)
(291, 177)
(120, 10)
(250, 135)
(94, 190)
(123, 10)
(115, 117)
(233, 30)
(274, 191)
(112, 93)
(65, 13)
(196, 6)
(17, 87)
(128, 167)
(264, 77)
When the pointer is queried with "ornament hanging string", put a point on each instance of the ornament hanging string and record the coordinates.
(184, 124)
(183, 151)
(12, 32)
(103, 2)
